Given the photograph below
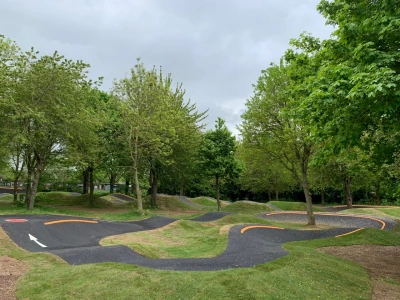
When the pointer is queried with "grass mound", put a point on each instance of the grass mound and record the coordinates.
(65, 199)
(296, 206)
(246, 208)
(203, 201)
(171, 203)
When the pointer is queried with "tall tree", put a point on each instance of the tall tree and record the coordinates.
(356, 92)
(269, 123)
(144, 99)
(218, 155)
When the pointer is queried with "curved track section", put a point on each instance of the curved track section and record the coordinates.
(341, 220)
(76, 240)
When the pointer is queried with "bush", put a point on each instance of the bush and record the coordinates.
(41, 198)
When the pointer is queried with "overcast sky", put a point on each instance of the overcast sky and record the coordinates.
(217, 48)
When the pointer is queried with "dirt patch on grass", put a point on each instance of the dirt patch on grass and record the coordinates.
(226, 228)
(10, 270)
(381, 262)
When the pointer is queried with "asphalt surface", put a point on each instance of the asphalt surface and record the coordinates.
(344, 207)
(211, 216)
(76, 240)
(341, 220)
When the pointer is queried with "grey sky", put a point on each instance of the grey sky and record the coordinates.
(217, 48)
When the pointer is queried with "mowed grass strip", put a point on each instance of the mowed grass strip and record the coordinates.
(304, 274)
(295, 206)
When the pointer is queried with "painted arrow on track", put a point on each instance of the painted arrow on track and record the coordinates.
(32, 238)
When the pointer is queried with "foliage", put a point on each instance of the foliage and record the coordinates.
(217, 155)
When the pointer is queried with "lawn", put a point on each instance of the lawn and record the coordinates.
(246, 208)
(295, 206)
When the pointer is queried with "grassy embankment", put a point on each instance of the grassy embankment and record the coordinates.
(295, 206)
(207, 201)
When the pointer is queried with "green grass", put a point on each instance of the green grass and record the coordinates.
(383, 212)
(65, 199)
(6, 198)
(296, 206)
(203, 201)
(304, 274)
(172, 203)
(246, 208)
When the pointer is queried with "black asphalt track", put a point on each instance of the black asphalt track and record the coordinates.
(77, 241)
(211, 216)
(123, 197)
(341, 220)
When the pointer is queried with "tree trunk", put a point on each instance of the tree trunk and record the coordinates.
(112, 183)
(135, 171)
(217, 191)
(322, 197)
(33, 191)
(126, 186)
(347, 187)
(91, 187)
(378, 197)
(28, 188)
(15, 190)
(310, 215)
(276, 195)
(85, 181)
(153, 184)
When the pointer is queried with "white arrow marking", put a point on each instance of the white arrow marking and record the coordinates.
(32, 238)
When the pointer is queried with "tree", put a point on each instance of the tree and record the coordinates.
(270, 123)
(262, 173)
(39, 103)
(147, 112)
(218, 155)
(356, 92)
